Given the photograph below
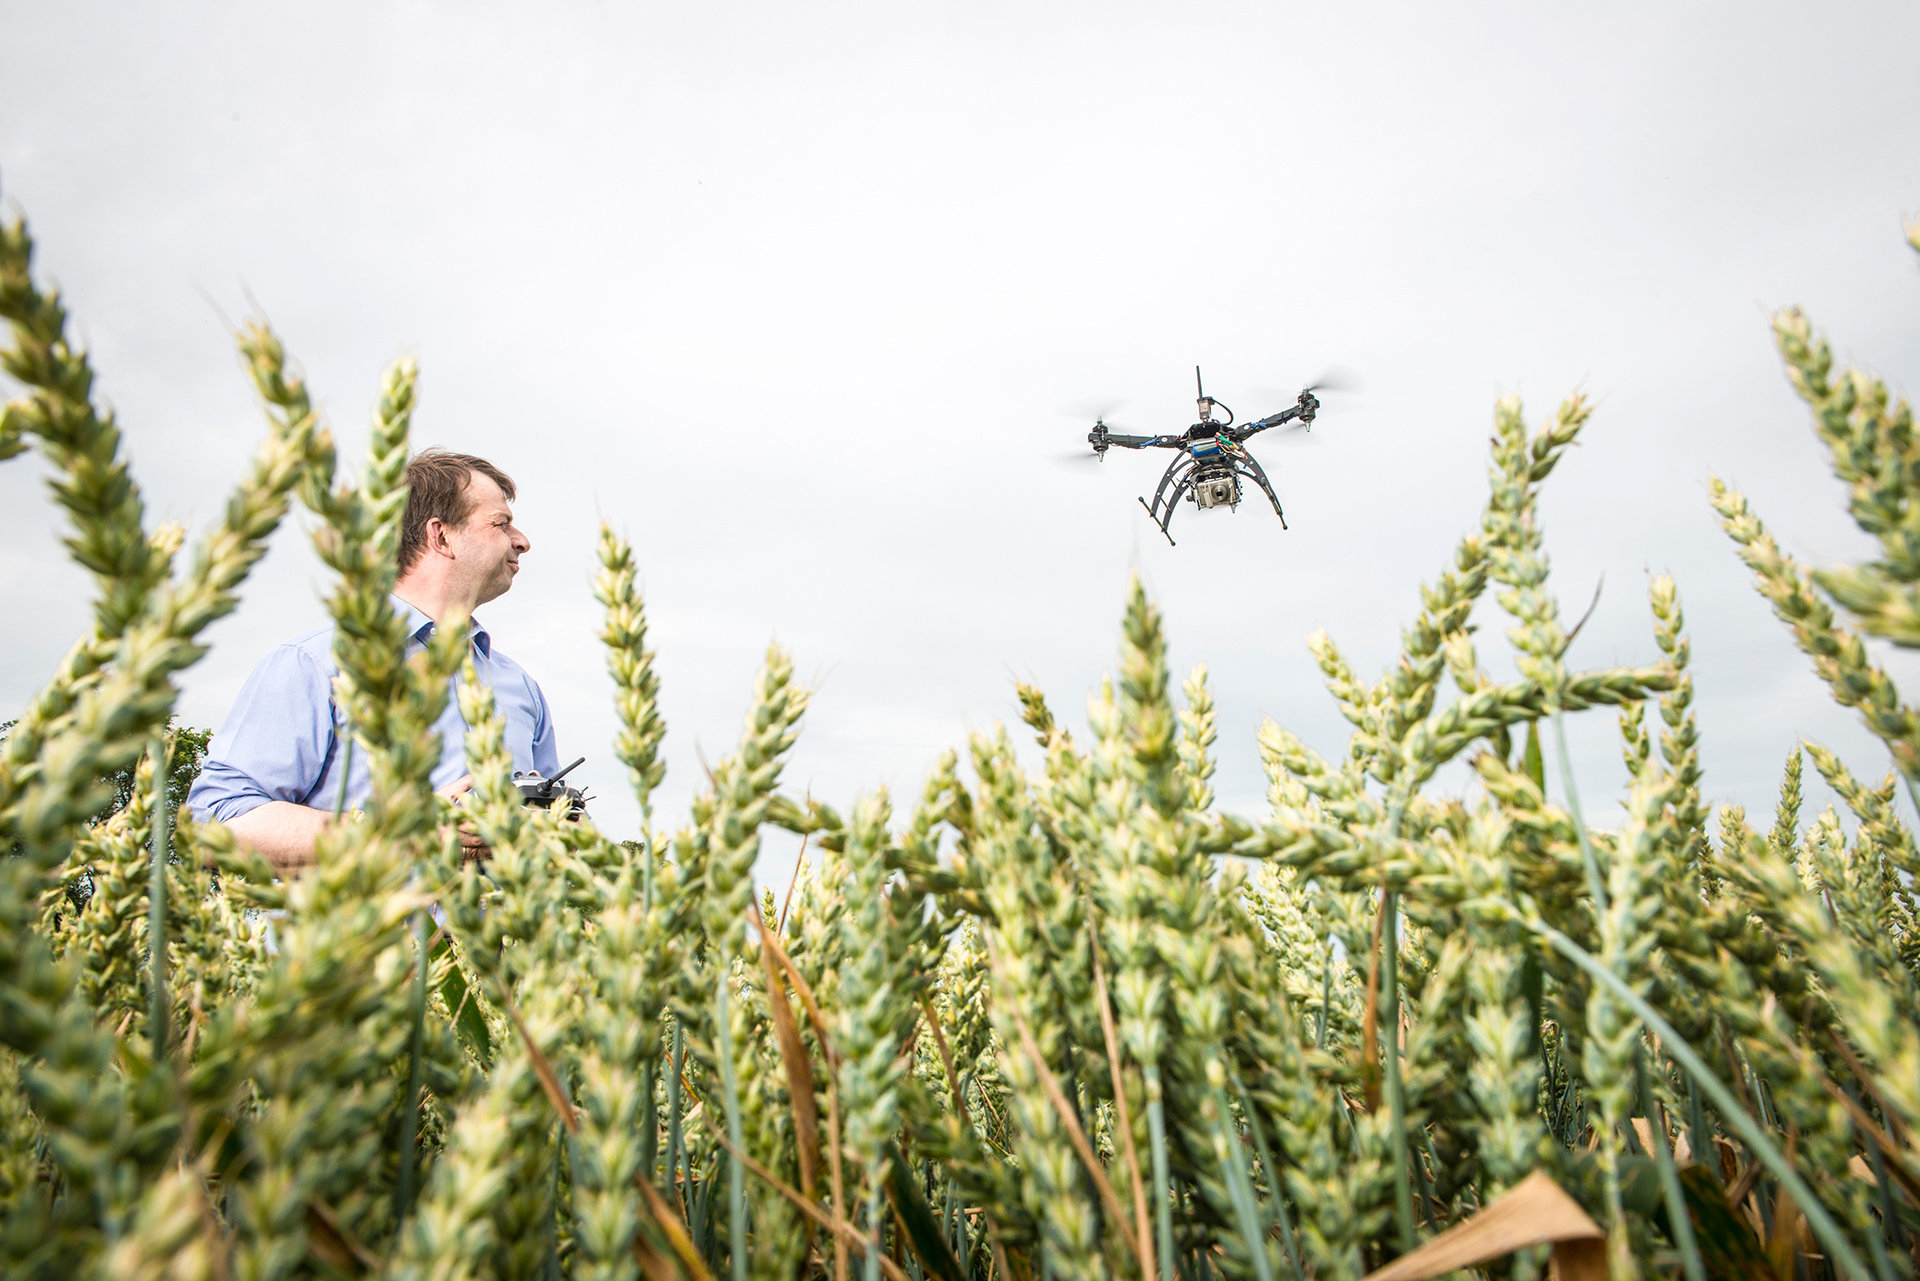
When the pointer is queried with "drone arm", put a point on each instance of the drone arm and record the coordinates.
(1140, 442)
(1259, 425)
(1303, 412)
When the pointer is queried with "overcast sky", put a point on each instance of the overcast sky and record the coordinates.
(793, 296)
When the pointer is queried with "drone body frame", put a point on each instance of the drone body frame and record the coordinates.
(1212, 458)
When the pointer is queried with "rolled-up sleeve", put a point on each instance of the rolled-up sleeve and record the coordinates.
(545, 752)
(274, 744)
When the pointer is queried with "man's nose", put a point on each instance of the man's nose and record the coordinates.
(521, 543)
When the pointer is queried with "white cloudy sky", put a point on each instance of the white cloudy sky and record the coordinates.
(792, 296)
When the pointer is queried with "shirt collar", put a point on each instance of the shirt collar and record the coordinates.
(420, 627)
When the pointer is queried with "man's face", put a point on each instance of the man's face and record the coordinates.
(487, 546)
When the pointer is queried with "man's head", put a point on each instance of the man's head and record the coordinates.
(458, 529)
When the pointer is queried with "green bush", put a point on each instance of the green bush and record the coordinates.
(1060, 1025)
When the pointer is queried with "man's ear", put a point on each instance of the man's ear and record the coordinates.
(436, 537)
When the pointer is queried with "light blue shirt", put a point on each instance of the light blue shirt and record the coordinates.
(285, 740)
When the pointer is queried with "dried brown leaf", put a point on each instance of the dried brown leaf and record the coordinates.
(838, 1227)
(1078, 1137)
(1141, 1217)
(960, 1110)
(793, 1056)
(1534, 1211)
(549, 1082)
(1578, 1261)
(330, 1243)
(835, 1176)
(676, 1231)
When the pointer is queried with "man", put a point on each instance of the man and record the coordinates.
(275, 771)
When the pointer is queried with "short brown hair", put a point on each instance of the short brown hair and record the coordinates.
(437, 490)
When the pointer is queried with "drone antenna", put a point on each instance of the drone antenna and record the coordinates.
(1204, 403)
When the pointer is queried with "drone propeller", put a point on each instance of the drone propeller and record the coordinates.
(1296, 432)
(1077, 457)
(1333, 380)
(1092, 409)
(1337, 378)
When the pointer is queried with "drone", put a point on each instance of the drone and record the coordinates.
(1213, 457)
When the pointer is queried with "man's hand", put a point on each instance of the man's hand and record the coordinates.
(472, 848)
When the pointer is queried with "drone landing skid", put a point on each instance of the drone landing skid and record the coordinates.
(1248, 466)
(1161, 521)
(1180, 476)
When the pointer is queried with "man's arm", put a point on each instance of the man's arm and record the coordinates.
(274, 753)
(282, 833)
(271, 752)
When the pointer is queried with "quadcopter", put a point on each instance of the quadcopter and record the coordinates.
(1213, 456)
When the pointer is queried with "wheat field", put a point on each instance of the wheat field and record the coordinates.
(1074, 1023)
